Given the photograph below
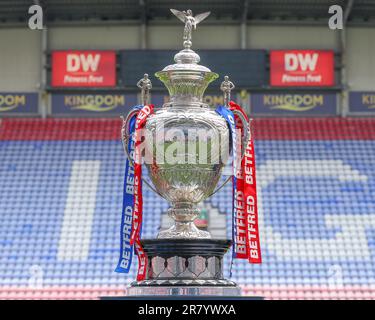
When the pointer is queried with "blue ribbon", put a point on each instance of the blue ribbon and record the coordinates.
(126, 251)
(229, 118)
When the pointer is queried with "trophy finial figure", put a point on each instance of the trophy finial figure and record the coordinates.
(145, 85)
(190, 21)
(226, 86)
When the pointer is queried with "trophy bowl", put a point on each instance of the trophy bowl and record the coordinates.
(190, 179)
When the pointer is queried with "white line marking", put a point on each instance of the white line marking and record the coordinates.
(79, 211)
(350, 242)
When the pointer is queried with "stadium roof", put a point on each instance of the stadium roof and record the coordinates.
(234, 11)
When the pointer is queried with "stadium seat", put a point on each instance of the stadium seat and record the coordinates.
(61, 187)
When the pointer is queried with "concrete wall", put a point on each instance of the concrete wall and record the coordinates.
(19, 59)
(208, 37)
(361, 59)
(106, 37)
(291, 37)
(20, 47)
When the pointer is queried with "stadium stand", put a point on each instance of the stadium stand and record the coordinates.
(61, 196)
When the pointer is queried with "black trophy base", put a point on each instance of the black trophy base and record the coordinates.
(185, 267)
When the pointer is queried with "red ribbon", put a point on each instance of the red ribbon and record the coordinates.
(246, 204)
(138, 199)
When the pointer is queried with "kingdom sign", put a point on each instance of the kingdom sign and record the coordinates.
(293, 103)
(19, 102)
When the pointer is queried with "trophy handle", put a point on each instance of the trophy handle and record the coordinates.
(125, 136)
(222, 186)
(125, 132)
(246, 126)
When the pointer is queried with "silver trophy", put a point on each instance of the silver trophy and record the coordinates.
(184, 256)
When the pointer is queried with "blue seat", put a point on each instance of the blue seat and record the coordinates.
(306, 218)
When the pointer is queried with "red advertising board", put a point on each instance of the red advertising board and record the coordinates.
(83, 69)
(302, 68)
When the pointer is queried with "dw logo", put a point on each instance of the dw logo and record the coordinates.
(300, 61)
(82, 62)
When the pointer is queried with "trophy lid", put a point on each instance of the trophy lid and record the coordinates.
(187, 77)
(187, 59)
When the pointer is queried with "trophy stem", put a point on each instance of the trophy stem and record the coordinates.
(183, 214)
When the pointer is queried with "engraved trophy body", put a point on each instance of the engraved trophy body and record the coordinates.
(184, 259)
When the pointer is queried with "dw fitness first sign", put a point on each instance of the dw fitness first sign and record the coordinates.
(83, 69)
(302, 68)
